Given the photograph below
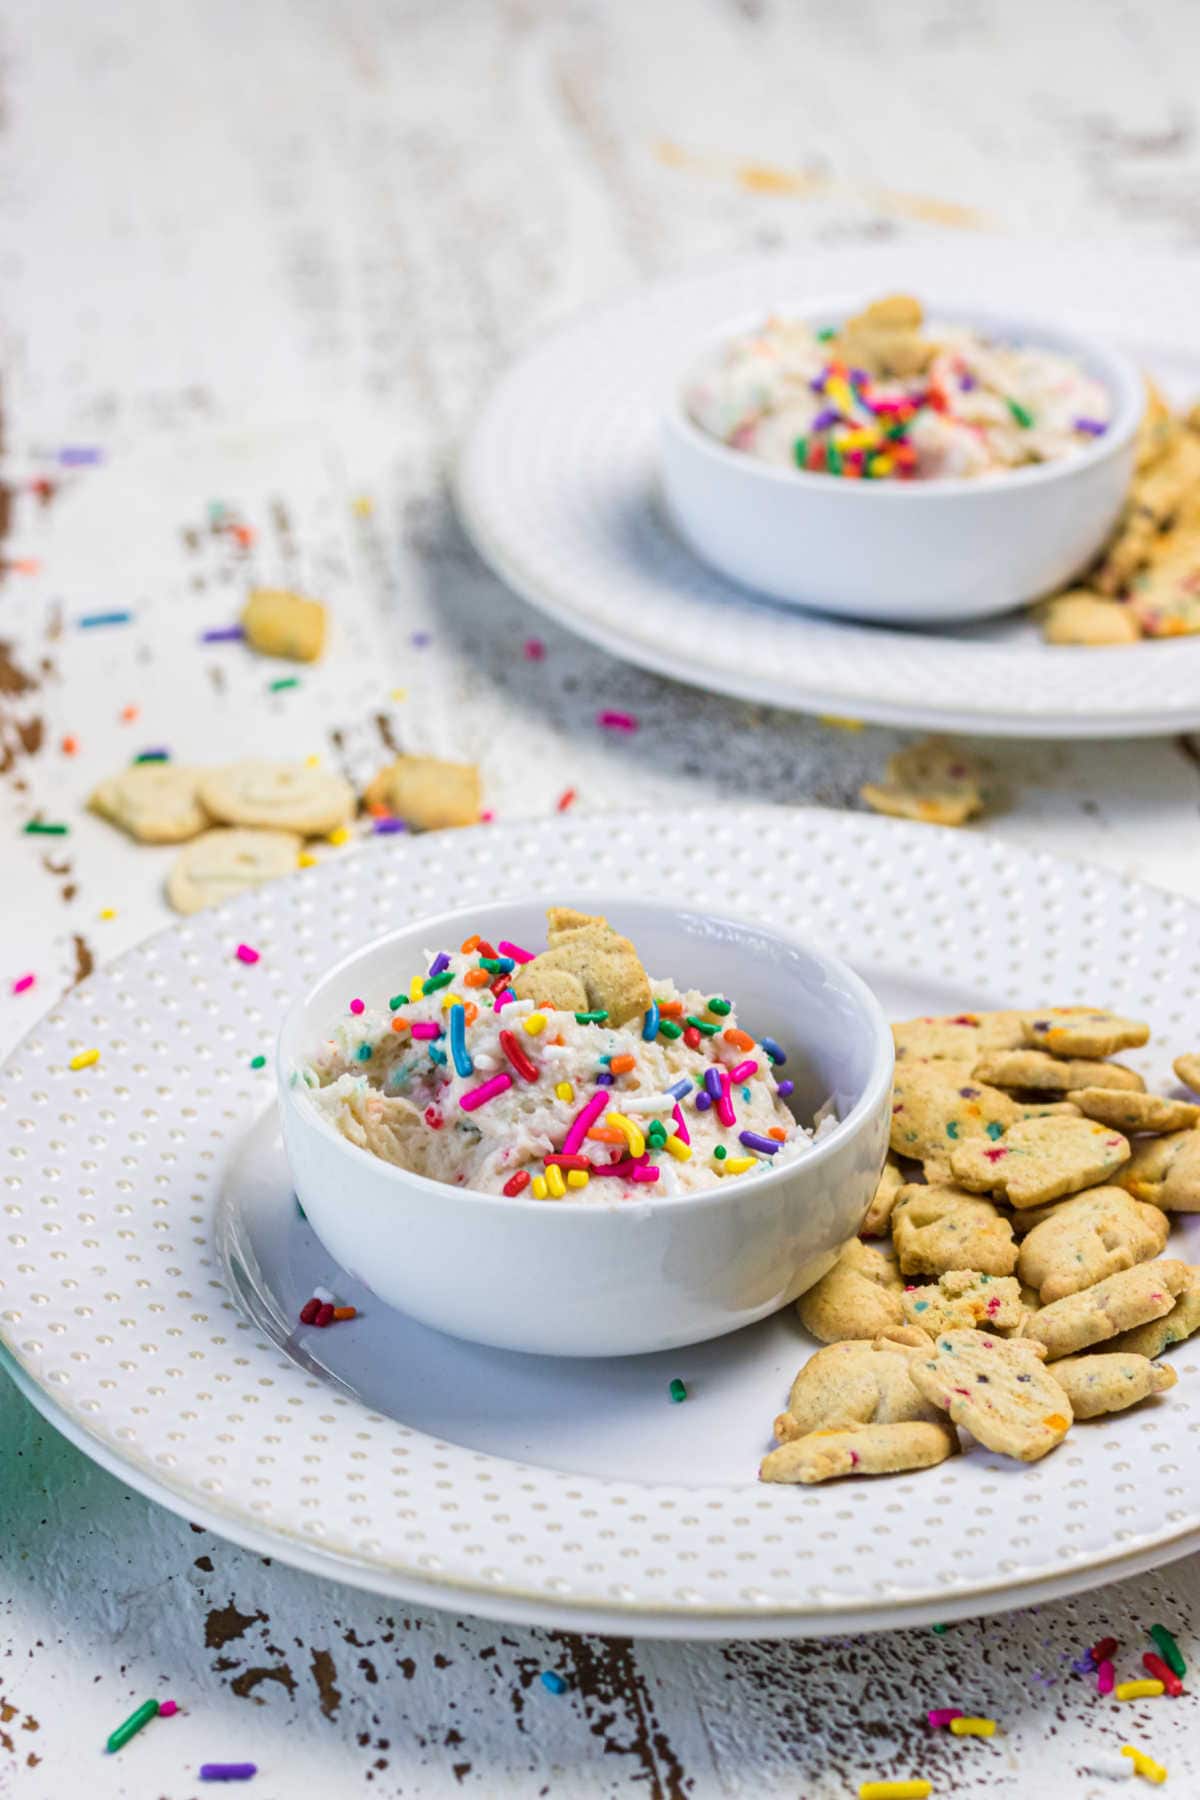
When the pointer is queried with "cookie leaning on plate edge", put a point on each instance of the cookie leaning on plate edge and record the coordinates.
(1086, 1292)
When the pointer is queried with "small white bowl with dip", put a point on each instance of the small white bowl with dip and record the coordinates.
(582, 1278)
(947, 549)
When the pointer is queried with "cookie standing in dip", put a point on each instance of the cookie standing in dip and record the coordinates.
(889, 396)
(568, 1073)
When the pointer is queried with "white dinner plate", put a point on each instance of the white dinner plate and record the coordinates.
(154, 1265)
(557, 486)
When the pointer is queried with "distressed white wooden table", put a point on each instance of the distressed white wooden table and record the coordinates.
(266, 258)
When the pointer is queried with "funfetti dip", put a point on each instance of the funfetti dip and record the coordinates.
(888, 396)
(477, 1074)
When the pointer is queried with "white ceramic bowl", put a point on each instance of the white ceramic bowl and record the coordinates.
(575, 1278)
(904, 552)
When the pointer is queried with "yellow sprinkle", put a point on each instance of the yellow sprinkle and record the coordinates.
(534, 1023)
(340, 836)
(554, 1180)
(973, 1727)
(1138, 1690)
(312, 762)
(861, 438)
(629, 1131)
(363, 506)
(86, 1058)
(306, 859)
(564, 1090)
(1144, 1765)
(416, 988)
(399, 693)
(109, 912)
(919, 1789)
(836, 722)
(883, 464)
(577, 1178)
(737, 1165)
(449, 1000)
(538, 1186)
(679, 1150)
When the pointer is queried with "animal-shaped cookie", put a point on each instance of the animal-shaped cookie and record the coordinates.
(278, 796)
(1074, 1031)
(852, 1383)
(1051, 1074)
(862, 1450)
(593, 954)
(280, 623)
(1114, 1305)
(933, 781)
(1087, 1238)
(1038, 1159)
(998, 1389)
(219, 864)
(879, 1213)
(1187, 1067)
(1166, 1172)
(958, 1037)
(155, 802)
(427, 793)
(1128, 1111)
(936, 1106)
(1110, 1381)
(858, 1298)
(964, 1300)
(939, 1228)
(1174, 1327)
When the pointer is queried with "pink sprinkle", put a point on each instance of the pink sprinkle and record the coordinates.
(624, 1169)
(744, 1070)
(725, 1110)
(168, 1709)
(854, 1459)
(616, 721)
(1105, 1677)
(681, 1130)
(515, 951)
(534, 649)
(486, 816)
(643, 1172)
(940, 1716)
(246, 954)
(503, 999)
(356, 1006)
(25, 981)
(425, 1028)
(487, 1090)
(584, 1119)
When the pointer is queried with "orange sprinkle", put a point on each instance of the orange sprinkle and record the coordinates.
(476, 978)
(741, 1040)
(345, 1312)
(378, 810)
(129, 714)
(777, 1131)
(470, 945)
(605, 1134)
(621, 1065)
(470, 1012)
(245, 537)
(399, 1024)
(1056, 1421)
(69, 746)
(670, 1009)
(558, 1039)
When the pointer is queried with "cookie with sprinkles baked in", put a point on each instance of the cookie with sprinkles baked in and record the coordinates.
(933, 782)
(1174, 1327)
(277, 796)
(1115, 1305)
(887, 1188)
(1110, 1381)
(998, 1389)
(1038, 1070)
(1087, 1238)
(858, 1298)
(1082, 1031)
(958, 1037)
(861, 1450)
(965, 1300)
(1129, 1111)
(1165, 1171)
(936, 1105)
(155, 802)
(852, 1383)
(938, 1228)
(222, 863)
(1038, 1159)
(1082, 617)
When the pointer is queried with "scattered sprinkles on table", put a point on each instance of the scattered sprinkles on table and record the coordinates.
(486, 1070)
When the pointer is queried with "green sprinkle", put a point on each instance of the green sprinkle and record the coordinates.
(704, 1025)
(800, 452)
(892, 432)
(827, 335)
(146, 1711)
(940, 1629)
(656, 1134)
(1172, 1655)
(1020, 413)
(496, 965)
(284, 681)
(720, 1007)
(36, 828)
(149, 756)
(833, 458)
(669, 1029)
(432, 983)
(258, 1062)
(397, 1001)
(677, 1391)
(994, 1130)
(364, 1053)
(592, 1018)
(720, 1152)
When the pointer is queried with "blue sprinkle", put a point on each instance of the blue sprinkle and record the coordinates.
(703, 1102)
(421, 639)
(785, 1088)
(79, 456)
(365, 1053)
(747, 1096)
(605, 1080)
(105, 618)
(681, 1089)
(763, 1146)
(650, 1023)
(553, 1682)
(458, 1041)
(436, 1055)
(773, 1051)
(440, 964)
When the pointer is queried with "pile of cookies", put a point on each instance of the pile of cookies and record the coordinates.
(1147, 581)
(1025, 1286)
(246, 822)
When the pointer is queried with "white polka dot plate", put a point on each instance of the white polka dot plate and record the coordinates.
(557, 487)
(154, 1264)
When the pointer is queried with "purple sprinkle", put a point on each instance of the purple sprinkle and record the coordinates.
(828, 415)
(1085, 1664)
(1093, 427)
(712, 1081)
(703, 1101)
(859, 375)
(785, 1088)
(386, 827)
(228, 1771)
(966, 382)
(817, 384)
(420, 639)
(226, 634)
(763, 1145)
(78, 456)
(440, 963)
(605, 1080)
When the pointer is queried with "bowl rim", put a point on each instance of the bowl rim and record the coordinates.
(1120, 375)
(876, 1088)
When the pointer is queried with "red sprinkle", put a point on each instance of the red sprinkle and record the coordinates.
(1107, 1647)
(534, 649)
(433, 1118)
(309, 1311)
(324, 1315)
(515, 1183)
(565, 799)
(483, 948)
(691, 1037)
(565, 1161)
(246, 954)
(517, 1057)
(1154, 1665)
